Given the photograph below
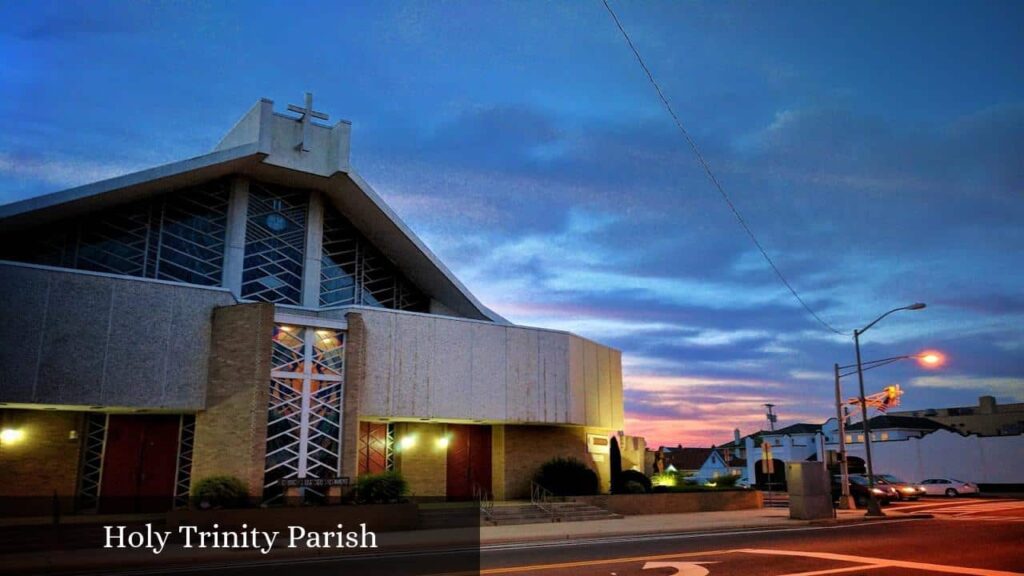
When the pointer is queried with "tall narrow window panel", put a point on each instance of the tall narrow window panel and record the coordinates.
(275, 237)
(353, 271)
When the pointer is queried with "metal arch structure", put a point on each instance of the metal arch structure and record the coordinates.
(305, 408)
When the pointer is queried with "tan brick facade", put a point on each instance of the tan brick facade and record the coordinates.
(523, 449)
(46, 460)
(231, 432)
(355, 378)
(425, 465)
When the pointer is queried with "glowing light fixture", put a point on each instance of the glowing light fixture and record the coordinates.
(11, 436)
(407, 442)
(442, 442)
(931, 359)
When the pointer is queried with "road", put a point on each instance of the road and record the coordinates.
(967, 536)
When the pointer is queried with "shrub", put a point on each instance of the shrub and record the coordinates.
(726, 481)
(383, 488)
(220, 492)
(627, 476)
(633, 487)
(567, 477)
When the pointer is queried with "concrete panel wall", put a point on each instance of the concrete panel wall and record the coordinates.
(88, 339)
(422, 366)
(942, 454)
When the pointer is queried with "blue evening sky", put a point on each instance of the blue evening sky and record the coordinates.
(877, 149)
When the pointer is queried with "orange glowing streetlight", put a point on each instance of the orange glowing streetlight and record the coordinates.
(931, 359)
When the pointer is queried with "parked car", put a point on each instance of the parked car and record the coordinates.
(904, 490)
(948, 487)
(859, 489)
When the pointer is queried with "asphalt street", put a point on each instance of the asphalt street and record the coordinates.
(967, 536)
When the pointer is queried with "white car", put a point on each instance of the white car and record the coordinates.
(948, 487)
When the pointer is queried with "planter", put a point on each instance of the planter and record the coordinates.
(377, 517)
(675, 503)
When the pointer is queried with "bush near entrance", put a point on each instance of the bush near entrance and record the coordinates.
(639, 481)
(220, 492)
(567, 477)
(383, 488)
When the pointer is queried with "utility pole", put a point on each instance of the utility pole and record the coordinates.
(771, 417)
(845, 501)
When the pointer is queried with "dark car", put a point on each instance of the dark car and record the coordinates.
(904, 490)
(859, 489)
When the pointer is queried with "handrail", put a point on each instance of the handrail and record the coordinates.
(540, 497)
(485, 502)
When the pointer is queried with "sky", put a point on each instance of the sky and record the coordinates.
(875, 148)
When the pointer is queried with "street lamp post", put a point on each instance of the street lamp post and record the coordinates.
(873, 508)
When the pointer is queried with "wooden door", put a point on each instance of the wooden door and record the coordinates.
(139, 464)
(469, 460)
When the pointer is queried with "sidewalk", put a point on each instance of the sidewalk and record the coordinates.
(697, 522)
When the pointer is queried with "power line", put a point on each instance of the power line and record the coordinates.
(711, 175)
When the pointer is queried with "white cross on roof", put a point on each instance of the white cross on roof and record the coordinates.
(307, 113)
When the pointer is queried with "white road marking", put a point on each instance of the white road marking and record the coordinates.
(681, 568)
(858, 568)
(883, 562)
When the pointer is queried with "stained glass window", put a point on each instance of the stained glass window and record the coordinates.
(305, 408)
(353, 271)
(176, 236)
(275, 238)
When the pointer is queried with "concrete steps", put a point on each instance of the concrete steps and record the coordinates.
(459, 516)
(467, 514)
(527, 513)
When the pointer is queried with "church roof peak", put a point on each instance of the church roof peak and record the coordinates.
(296, 143)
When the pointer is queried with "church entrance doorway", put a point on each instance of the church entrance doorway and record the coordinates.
(469, 461)
(140, 463)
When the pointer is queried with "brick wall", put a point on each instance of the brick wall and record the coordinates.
(425, 465)
(355, 377)
(45, 460)
(526, 448)
(231, 431)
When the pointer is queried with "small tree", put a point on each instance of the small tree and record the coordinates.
(631, 477)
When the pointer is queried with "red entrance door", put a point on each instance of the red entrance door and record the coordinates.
(139, 464)
(469, 460)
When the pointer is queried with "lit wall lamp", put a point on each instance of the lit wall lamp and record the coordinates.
(407, 442)
(442, 442)
(11, 436)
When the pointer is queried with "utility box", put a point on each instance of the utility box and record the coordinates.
(810, 490)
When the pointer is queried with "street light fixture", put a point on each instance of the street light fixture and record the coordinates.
(929, 359)
(873, 508)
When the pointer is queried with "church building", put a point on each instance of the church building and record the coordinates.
(260, 312)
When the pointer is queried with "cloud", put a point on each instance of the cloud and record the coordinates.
(1007, 387)
(61, 171)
